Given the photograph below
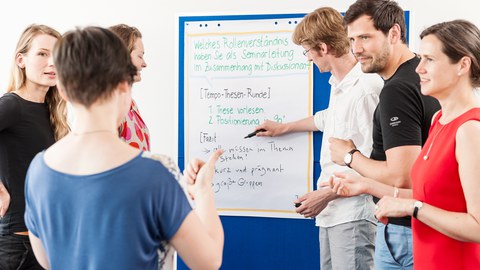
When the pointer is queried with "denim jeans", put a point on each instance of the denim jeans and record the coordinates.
(16, 253)
(393, 247)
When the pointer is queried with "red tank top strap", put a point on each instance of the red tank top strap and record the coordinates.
(472, 114)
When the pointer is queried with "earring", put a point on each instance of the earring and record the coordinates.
(459, 74)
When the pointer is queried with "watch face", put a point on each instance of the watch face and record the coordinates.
(418, 204)
(347, 158)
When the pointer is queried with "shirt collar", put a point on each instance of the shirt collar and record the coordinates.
(350, 79)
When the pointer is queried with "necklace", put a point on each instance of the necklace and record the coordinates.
(425, 157)
(92, 132)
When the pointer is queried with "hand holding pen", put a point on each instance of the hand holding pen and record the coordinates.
(270, 129)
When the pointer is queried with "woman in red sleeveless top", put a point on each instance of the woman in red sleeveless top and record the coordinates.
(445, 177)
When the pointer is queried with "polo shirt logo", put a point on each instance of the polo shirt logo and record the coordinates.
(394, 121)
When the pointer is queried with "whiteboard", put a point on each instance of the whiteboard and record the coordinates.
(236, 74)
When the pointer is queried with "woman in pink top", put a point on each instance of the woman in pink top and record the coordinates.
(133, 130)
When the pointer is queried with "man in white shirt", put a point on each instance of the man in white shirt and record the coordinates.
(347, 225)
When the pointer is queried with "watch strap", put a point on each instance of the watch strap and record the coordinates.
(415, 210)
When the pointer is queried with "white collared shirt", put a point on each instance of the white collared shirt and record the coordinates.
(348, 116)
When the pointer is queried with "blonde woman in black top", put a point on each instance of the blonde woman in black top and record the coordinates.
(32, 117)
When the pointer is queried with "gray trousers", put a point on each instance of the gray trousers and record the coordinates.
(347, 246)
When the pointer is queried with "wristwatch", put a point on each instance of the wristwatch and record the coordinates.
(348, 158)
(416, 206)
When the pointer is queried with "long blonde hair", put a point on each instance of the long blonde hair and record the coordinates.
(56, 105)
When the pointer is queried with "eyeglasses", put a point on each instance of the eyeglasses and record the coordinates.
(306, 51)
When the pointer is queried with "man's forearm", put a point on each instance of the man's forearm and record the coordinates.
(302, 125)
(379, 171)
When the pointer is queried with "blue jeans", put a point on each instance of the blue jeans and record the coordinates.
(393, 247)
(16, 253)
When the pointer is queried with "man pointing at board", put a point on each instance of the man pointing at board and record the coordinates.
(347, 225)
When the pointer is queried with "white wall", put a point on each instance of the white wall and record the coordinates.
(157, 94)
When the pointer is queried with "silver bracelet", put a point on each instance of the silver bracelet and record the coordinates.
(395, 192)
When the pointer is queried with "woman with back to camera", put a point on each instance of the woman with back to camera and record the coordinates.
(445, 176)
(133, 129)
(116, 203)
(32, 117)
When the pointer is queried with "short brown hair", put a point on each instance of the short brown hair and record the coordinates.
(324, 25)
(384, 13)
(128, 34)
(90, 63)
(459, 38)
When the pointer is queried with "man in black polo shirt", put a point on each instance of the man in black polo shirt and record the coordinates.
(377, 32)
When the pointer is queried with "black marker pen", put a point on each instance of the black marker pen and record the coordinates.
(254, 133)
